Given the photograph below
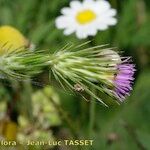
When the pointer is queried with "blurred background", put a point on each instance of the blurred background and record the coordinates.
(46, 112)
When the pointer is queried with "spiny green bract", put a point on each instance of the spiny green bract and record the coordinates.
(73, 67)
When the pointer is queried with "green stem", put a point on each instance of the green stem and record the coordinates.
(92, 103)
(92, 115)
(65, 117)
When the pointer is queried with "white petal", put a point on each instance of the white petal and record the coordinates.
(92, 31)
(111, 13)
(102, 26)
(80, 34)
(76, 5)
(111, 21)
(63, 22)
(60, 22)
(88, 3)
(102, 5)
(66, 11)
(69, 31)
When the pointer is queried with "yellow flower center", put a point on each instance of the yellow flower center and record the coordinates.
(85, 16)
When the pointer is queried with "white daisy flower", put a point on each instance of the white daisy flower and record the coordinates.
(86, 18)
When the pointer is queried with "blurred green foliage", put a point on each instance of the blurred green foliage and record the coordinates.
(118, 127)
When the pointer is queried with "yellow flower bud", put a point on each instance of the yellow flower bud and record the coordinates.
(10, 131)
(11, 40)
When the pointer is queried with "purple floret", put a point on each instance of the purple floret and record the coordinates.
(124, 79)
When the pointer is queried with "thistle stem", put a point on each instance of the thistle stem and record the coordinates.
(91, 115)
(92, 103)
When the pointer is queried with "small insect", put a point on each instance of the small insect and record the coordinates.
(78, 88)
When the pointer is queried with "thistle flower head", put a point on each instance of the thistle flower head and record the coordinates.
(124, 79)
(97, 67)
(79, 69)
